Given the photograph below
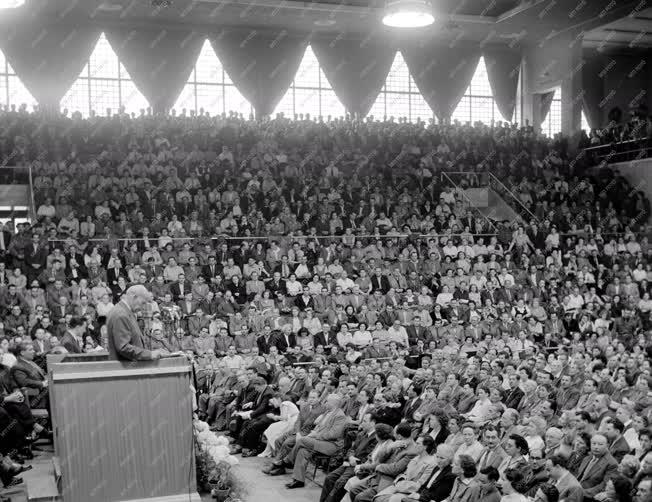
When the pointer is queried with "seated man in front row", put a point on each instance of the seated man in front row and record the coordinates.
(327, 438)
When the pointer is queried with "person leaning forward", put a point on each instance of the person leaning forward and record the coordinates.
(326, 438)
(125, 337)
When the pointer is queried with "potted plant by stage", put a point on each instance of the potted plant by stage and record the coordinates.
(219, 480)
(214, 465)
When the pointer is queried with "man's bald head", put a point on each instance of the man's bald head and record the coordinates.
(334, 401)
(136, 296)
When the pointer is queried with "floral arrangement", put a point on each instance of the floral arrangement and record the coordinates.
(214, 462)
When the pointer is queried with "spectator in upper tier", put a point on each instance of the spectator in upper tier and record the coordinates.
(490, 337)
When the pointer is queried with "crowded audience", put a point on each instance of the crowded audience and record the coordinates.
(341, 302)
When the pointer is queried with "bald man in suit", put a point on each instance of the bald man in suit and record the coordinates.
(125, 337)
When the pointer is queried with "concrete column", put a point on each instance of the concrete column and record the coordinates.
(571, 92)
(551, 63)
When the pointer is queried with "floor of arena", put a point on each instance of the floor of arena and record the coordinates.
(261, 488)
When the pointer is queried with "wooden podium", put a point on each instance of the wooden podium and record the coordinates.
(123, 431)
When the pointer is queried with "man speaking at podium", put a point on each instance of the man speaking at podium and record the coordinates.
(125, 337)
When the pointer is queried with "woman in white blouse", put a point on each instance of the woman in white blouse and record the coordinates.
(93, 257)
(315, 285)
(87, 228)
(293, 287)
(104, 306)
(481, 408)
(362, 337)
(444, 297)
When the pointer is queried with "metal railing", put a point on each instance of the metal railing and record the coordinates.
(176, 241)
(32, 211)
(468, 201)
(502, 189)
(622, 151)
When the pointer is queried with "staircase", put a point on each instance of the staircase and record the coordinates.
(487, 203)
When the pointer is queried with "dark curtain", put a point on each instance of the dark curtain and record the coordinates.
(546, 102)
(48, 59)
(592, 91)
(503, 68)
(356, 72)
(442, 74)
(261, 68)
(159, 61)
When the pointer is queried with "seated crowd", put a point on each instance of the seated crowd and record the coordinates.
(340, 301)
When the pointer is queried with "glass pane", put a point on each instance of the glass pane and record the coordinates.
(286, 105)
(3, 90)
(210, 98)
(76, 99)
(398, 78)
(308, 72)
(208, 68)
(104, 61)
(463, 110)
(482, 110)
(551, 124)
(186, 99)
(419, 109)
(307, 101)
(236, 102)
(331, 105)
(398, 105)
(105, 94)
(18, 93)
(4, 65)
(480, 82)
(132, 99)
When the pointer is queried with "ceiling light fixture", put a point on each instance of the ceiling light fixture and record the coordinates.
(324, 22)
(11, 4)
(408, 14)
(109, 7)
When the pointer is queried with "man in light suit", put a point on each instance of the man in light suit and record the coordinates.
(125, 337)
(326, 438)
(568, 486)
(285, 443)
(597, 467)
(73, 340)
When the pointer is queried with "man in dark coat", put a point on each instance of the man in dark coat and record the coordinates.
(440, 483)
(257, 419)
(125, 337)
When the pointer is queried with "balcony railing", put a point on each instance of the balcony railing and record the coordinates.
(623, 151)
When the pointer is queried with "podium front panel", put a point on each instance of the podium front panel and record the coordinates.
(124, 431)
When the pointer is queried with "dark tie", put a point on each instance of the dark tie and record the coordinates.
(431, 478)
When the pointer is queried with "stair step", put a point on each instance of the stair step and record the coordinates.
(40, 481)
